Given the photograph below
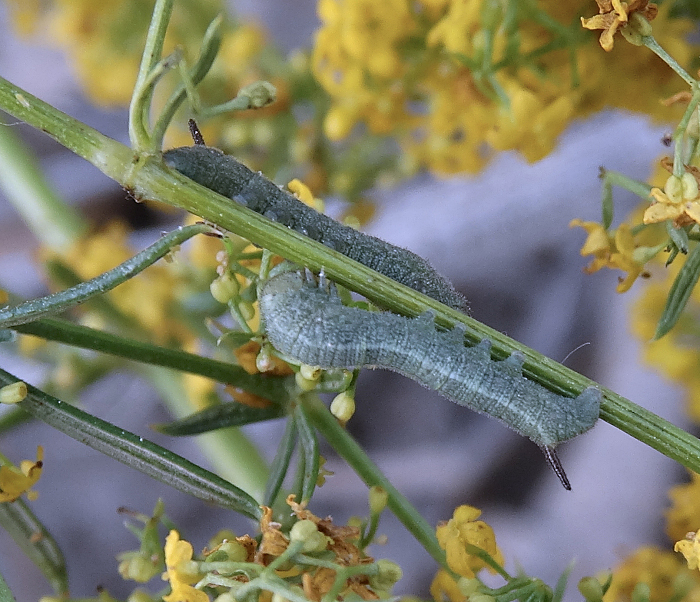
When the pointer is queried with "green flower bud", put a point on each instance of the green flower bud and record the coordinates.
(674, 189)
(247, 310)
(304, 383)
(307, 532)
(138, 595)
(388, 574)
(591, 589)
(689, 186)
(260, 94)
(234, 550)
(378, 498)
(137, 567)
(263, 361)
(226, 597)
(343, 406)
(641, 593)
(224, 288)
(468, 586)
(13, 393)
(310, 372)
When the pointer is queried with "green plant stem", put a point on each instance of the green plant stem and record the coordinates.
(36, 542)
(54, 223)
(30, 311)
(348, 449)
(143, 93)
(653, 45)
(232, 454)
(134, 451)
(85, 337)
(147, 178)
(5, 592)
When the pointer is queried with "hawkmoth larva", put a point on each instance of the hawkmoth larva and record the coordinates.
(222, 173)
(309, 323)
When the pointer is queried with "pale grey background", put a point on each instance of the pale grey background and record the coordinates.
(503, 238)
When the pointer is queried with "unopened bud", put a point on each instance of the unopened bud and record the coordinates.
(13, 393)
(343, 406)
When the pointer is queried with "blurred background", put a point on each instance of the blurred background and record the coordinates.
(502, 237)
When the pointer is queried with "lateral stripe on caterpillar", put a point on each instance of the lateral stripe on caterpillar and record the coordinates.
(310, 324)
(225, 175)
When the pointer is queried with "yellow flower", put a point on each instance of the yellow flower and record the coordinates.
(614, 14)
(684, 513)
(16, 481)
(463, 529)
(690, 548)
(445, 589)
(615, 249)
(181, 571)
(682, 214)
(658, 569)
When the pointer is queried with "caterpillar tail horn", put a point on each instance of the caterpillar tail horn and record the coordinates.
(553, 460)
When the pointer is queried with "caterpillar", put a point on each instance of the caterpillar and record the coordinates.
(308, 322)
(222, 173)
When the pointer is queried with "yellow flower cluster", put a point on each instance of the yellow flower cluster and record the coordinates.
(309, 535)
(14, 481)
(619, 249)
(408, 69)
(454, 536)
(663, 572)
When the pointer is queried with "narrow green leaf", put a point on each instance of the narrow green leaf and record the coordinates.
(58, 302)
(135, 451)
(5, 593)
(62, 331)
(217, 417)
(679, 237)
(36, 542)
(280, 465)
(309, 449)
(680, 292)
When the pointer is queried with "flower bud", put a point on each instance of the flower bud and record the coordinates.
(307, 532)
(674, 189)
(247, 310)
(13, 393)
(304, 383)
(343, 406)
(591, 589)
(234, 550)
(689, 186)
(138, 595)
(260, 94)
(467, 586)
(389, 573)
(224, 288)
(378, 498)
(263, 361)
(310, 372)
(137, 567)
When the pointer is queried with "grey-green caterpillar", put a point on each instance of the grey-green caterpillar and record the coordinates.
(222, 173)
(309, 323)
